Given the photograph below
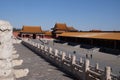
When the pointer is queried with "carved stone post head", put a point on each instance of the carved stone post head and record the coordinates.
(5, 40)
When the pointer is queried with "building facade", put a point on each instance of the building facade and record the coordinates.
(103, 40)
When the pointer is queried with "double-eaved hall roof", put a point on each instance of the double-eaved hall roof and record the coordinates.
(31, 29)
(60, 26)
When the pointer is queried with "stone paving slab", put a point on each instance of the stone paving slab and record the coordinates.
(38, 67)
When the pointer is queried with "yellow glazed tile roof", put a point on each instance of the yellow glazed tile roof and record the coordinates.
(98, 35)
(31, 29)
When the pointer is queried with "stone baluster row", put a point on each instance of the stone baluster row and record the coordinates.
(86, 63)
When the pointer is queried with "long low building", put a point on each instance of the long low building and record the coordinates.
(101, 39)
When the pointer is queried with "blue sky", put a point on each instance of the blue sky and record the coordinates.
(81, 14)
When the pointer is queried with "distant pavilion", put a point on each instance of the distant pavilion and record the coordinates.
(31, 32)
(59, 28)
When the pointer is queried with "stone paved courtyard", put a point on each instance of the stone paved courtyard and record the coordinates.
(38, 67)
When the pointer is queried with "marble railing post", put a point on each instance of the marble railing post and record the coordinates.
(38, 45)
(63, 56)
(73, 59)
(56, 52)
(8, 54)
(42, 47)
(97, 66)
(69, 56)
(45, 48)
(6, 48)
(85, 69)
(107, 73)
(33, 43)
(50, 50)
(81, 61)
(62, 59)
